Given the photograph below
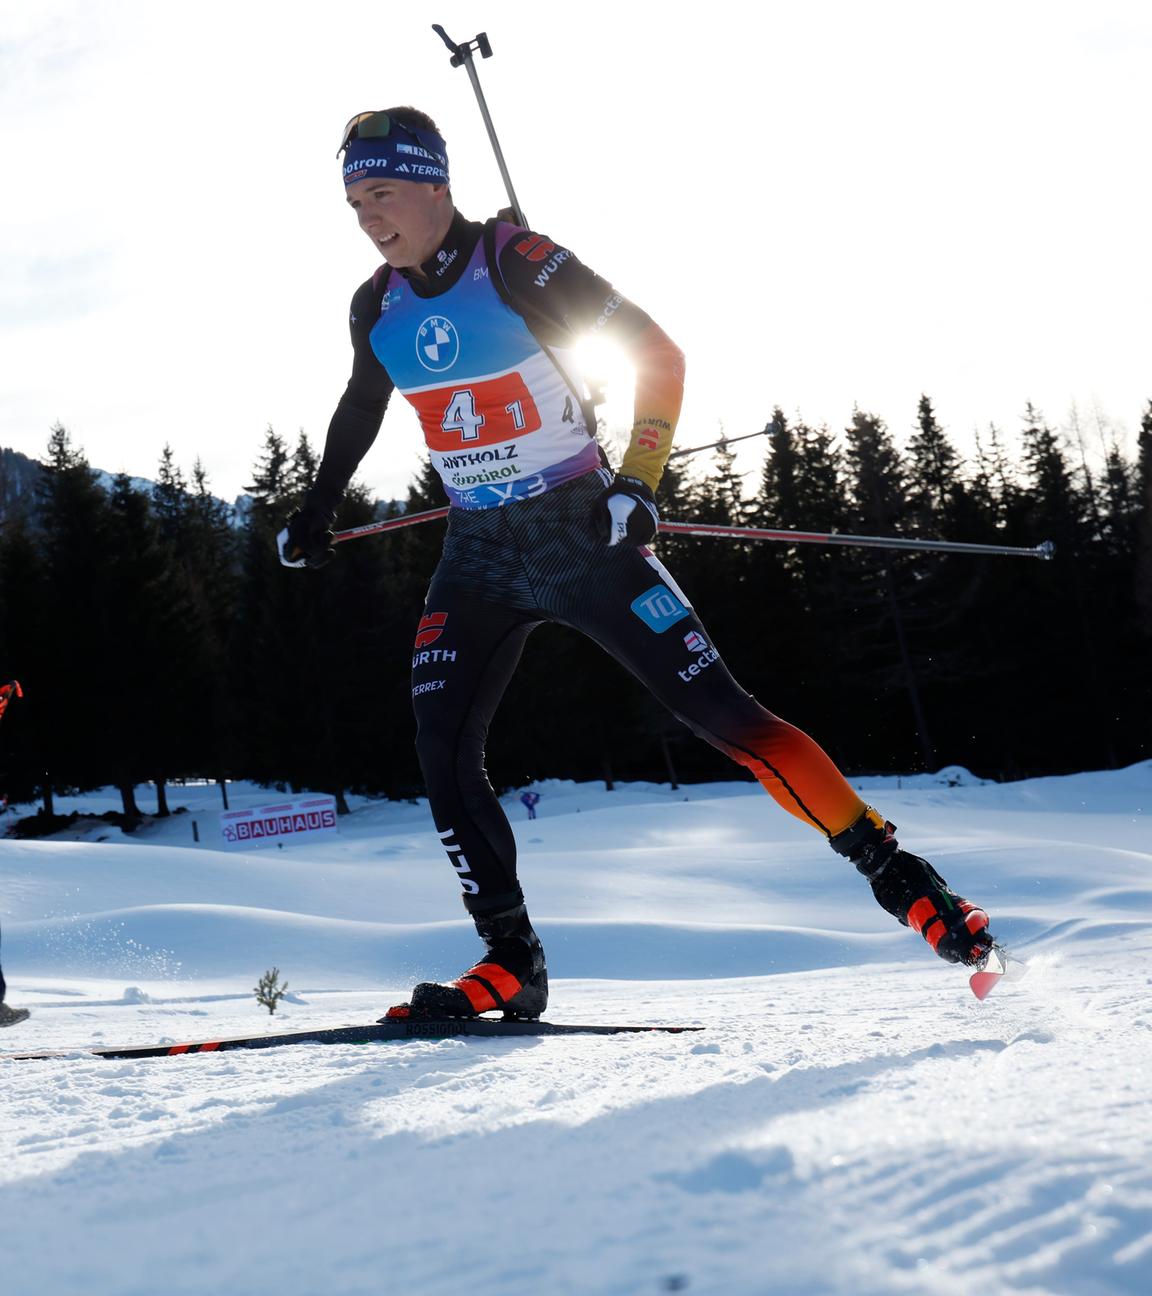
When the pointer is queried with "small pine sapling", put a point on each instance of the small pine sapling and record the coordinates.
(270, 989)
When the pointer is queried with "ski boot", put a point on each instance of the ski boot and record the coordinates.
(511, 976)
(910, 889)
(12, 1016)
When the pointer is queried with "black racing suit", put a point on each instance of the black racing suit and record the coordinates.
(504, 570)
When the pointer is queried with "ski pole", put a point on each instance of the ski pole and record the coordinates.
(462, 54)
(1046, 549)
(392, 524)
(724, 441)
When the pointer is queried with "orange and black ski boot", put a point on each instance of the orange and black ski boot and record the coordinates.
(512, 976)
(914, 893)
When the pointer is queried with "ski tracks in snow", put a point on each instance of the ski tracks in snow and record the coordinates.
(864, 1132)
(867, 1128)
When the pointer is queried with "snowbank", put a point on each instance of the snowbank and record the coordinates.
(852, 1120)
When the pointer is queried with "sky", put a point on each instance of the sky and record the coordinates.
(826, 205)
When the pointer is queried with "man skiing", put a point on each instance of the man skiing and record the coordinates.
(475, 323)
(9, 1016)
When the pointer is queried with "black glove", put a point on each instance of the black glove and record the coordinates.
(307, 539)
(626, 513)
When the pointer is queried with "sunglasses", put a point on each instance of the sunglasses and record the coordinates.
(378, 125)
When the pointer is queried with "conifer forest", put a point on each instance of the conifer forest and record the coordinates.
(157, 637)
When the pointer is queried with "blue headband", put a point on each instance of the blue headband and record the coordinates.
(414, 155)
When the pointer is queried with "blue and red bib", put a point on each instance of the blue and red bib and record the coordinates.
(502, 417)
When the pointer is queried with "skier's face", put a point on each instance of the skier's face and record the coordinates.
(405, 221)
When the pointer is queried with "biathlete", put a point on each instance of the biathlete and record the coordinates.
(475, 324)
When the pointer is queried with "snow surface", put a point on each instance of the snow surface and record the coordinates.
(851, 1121)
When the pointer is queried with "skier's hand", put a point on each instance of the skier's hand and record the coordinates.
(307, 539)
(953, 926)
(626, 513)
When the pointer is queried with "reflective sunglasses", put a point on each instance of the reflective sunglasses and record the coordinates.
(378, 125)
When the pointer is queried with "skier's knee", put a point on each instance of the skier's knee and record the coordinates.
(433, 748)
(443, 750)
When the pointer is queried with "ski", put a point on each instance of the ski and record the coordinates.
(450, 1028)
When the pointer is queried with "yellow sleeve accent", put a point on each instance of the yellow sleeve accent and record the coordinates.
(659, 393)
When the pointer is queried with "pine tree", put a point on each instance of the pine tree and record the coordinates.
(793, 637)
(1118, 504)
(998, 487)
(210, 555)
(270, 637)
(1055, 507)
(269, 990)
(169, 497)
(272, 482)
(719, 495)
(1143, 572)
(77, 676)
(881, 630)
(935, 486)
(301, 468)
(145, 640)
(25, 599)
(1064, 599)
(199, 555)
(801, 487)
(942, 590)
(349, 603)
(776, 500)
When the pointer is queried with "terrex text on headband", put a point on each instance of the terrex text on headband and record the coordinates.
(375, 144)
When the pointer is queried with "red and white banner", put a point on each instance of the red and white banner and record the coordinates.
(284, 822)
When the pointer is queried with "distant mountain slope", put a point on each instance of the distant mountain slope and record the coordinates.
(19, 475)
(18, 478)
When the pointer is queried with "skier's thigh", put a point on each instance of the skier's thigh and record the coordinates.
(465, 652)
(642, 617)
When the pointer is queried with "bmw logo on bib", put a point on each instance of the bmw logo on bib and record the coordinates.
(437, 344)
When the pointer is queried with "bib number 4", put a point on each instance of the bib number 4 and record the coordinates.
(461, 416)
